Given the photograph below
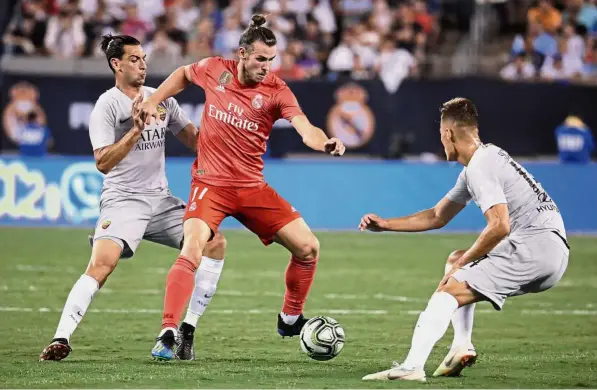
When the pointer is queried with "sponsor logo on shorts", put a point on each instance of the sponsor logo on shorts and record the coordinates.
(193, 206)
(293, 209)
(106, 224)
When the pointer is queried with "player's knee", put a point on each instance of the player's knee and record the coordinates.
(459, 290)
(454, 256)
(192, 249)
(101, 266)
(216, 248)
(308, 250)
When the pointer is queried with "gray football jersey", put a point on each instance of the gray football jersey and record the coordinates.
(493, 177)
(143, 169)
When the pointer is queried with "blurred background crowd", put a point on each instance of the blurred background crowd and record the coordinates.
(363, 39)
(540, 41)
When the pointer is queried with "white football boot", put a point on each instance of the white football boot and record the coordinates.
(456, 360)
(398, 372)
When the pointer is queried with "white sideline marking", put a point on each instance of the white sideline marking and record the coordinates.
(348, 297)
(562, 312)
(322, 311)
(213, 311)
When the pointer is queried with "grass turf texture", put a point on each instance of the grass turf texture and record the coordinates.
(373, 284)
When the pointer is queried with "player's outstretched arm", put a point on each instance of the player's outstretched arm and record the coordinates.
(315, 138)
(498, 227)
(188, 136)
(172, 86)
(434, 218)
(107, 157)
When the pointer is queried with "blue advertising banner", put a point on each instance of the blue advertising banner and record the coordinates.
(65, 191)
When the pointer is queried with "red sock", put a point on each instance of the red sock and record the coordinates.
(179, 287)
(299, 278)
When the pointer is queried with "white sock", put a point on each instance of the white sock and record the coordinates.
(206, 282)
(431, 326)
(76, 305)
(289, 319)
(462, 322)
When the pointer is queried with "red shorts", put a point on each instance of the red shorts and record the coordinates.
(261, 209)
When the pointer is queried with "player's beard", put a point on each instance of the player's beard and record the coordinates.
(252, 77)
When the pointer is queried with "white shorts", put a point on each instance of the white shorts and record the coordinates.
(518, 265)
(131, 218)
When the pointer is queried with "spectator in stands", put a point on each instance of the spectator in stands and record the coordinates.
(572, 48)
(590, 62)
(316, 44)
(200, 42)
(133, 25)
(169, 24)
(537, 43)
(546, 15)
(353, 11)
(520, 68)
(382, 17)
(321, 10)
(555, 69)
(23, 101)
(581, 12)
(226, 39)
(161, 46)
(575, 141)
(341, 58)
(25, 35)
(187, 13)
(305, 59)
(394, 65)
(288, 69)
(65, 37)
(34, 137)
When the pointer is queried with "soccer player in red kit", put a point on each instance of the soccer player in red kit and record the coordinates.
(243, 100)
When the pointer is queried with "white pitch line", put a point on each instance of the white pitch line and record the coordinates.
(211, 311)
(322, 311)
(562, 312)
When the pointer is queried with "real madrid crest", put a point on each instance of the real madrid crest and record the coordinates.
(350, 119)
(106, 224)
(257, 101)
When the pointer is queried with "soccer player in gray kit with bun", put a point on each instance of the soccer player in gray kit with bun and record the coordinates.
(135, 202)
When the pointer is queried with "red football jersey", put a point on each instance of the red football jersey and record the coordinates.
(236, 123)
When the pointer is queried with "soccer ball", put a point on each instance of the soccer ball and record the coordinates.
(322, 338)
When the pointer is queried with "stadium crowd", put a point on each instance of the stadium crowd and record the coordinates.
(358, 38)
(559, 43)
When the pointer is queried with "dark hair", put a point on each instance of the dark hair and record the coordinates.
(113, 46)
(32, 116)
(460, 110)
(256, 32)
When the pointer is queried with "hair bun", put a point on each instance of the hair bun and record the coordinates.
(257, 20)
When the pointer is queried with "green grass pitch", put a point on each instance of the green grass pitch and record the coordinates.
(373, 284)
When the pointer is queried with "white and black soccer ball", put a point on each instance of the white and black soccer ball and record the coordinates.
(322, 338)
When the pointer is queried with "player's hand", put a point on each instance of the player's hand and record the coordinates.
(149, 111)
(138, 122)
(373, 223)
(335, 147)
(448, 275)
